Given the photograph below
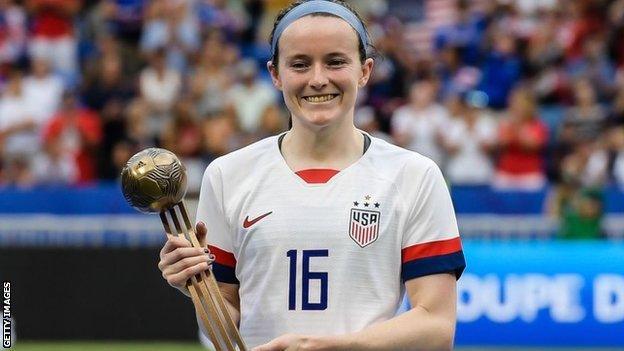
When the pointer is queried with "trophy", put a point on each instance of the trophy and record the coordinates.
(154, 180)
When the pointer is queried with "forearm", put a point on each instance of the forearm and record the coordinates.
(230, 303)
(416, 329)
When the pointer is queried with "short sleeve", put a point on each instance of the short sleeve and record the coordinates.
(210, 211)
(431, 242)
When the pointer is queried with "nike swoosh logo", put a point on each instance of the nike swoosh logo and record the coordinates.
(247, 223)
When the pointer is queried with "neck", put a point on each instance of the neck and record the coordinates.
(331, 147)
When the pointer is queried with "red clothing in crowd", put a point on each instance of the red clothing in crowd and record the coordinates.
(53, 18)
(80, 134)
(517, 159)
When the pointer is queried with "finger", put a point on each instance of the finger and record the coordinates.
(185, 263)
(179, 279)
(172, 243)
(201, 231)
(181, 253)
(277, 344)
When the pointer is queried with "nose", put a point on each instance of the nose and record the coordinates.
(319, 77)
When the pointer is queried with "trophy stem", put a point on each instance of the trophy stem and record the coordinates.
(204, 290)
(213, 286)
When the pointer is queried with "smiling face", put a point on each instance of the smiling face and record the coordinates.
(320, 71)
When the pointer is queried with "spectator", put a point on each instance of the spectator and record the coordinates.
(469, 139)
(219, 135)
(586, 166)
(183, 135)
(211, 78)
(250, 98)
(585, 121)
(131, 136)
(171, 25)
(578, 200)
(53, 35)
(43, 90)
(580, 214)
(390, 83)
(79, 133)
(465, 33)
(18, 134)
(417, 125)
(55, 166)
(18, 127)
(124, 18)
(595, 66)
(137, 126)
(501, 69)
(107, 85)
(160, 86)
(113, 132)
(218, 14)
(521, 140)
(272, 122)
(454, 75)
(365, 118)
(12, 32)
(580, 20)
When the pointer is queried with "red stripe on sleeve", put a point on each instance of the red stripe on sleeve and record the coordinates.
(223, 257)
(434, 248)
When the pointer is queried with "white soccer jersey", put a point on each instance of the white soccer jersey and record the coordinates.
(325, 257)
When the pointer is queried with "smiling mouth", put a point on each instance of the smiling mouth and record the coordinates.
(320, 98)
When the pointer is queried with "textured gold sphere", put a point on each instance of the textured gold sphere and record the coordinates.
(153, 180)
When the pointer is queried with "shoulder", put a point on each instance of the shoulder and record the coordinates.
(398, 163)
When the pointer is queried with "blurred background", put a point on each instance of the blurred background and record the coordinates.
(520, 102)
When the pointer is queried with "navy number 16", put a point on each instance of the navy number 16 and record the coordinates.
(305, 280)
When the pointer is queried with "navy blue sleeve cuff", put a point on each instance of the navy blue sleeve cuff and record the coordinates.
(453, 262)
(224, 274)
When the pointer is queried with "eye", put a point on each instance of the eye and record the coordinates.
(337, 62)
(299, 65)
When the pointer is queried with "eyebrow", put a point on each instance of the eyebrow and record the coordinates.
(304, 56)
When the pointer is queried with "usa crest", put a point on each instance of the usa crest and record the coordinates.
(364, 223)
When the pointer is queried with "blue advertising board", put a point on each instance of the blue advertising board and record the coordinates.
(542, 293)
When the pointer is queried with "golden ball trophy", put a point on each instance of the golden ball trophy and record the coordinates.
(154, 180)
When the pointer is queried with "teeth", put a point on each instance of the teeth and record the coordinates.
(321, 98)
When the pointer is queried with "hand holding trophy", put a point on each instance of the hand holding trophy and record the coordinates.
(154, 180)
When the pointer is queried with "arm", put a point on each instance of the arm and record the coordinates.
(429, 325)
(232, 300)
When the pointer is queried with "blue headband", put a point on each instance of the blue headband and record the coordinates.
(319, 6)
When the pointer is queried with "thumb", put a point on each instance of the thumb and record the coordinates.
(201, 232)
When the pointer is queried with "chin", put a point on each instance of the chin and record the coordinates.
(320, 119)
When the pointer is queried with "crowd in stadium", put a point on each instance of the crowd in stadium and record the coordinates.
(516, 94)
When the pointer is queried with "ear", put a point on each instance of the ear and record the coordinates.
(277, 82)
(367, 70)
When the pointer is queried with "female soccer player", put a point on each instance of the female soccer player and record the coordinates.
(319, 231)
